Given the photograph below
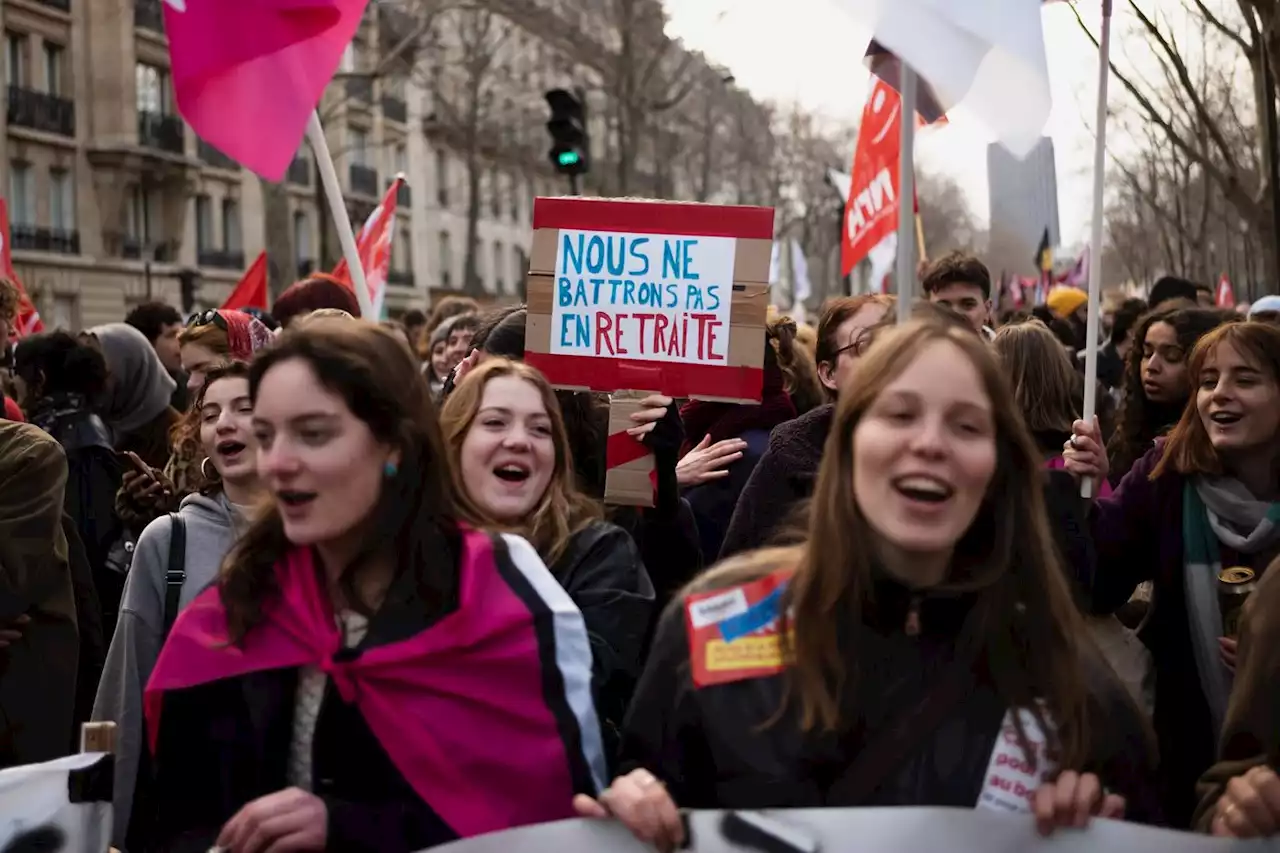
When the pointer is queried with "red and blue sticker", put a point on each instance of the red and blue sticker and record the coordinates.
(734, 633)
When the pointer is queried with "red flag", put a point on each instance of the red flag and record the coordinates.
(247, 74)
(374, 246)
(28, 321)
(871, 211)
(251, 292)
(1226, 294)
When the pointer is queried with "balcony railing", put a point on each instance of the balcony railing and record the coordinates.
(299, 172)
(222, 259)
(148, 15)
(364, 179)
(360, 88)
(133, 249)
(162, 132)
(61, 5)
(215, 158)
(46, 239)
(394, 108)
(41, 111)
(400, 277)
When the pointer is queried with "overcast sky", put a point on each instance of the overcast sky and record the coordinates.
(811, 51)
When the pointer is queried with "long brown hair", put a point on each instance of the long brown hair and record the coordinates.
(563, 510)
(374, 374)
(1026, 631)
(1045, 385)
(1188, 449)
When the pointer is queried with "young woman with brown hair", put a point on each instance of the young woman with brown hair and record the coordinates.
(1203, 500)
(513, 471)
(920, 648)
(367, 673)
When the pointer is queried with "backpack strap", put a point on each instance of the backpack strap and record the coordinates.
(176, 574)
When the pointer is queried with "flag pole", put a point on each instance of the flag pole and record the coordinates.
(1095, 245)
(338, 210)
(906, 193)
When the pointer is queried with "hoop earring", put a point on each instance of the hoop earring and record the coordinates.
(204, 473)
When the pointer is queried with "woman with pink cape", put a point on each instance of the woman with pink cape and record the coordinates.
(367, 673)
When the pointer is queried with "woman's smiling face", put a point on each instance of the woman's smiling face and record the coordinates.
(925, 453)
(508, 455)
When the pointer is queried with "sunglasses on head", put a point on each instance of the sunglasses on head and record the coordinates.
(205, 318)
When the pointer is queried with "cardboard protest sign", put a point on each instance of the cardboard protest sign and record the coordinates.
(648, 296)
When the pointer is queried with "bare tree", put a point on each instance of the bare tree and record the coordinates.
(470, 73)
(1195, 110)
(945, 217)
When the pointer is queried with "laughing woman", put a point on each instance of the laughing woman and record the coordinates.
(176, 557)
(514, 471)
(919, 649)
(367, 673)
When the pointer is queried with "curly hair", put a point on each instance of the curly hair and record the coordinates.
(1136, 426)
(10, 297)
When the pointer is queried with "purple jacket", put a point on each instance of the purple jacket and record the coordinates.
(1138, 536)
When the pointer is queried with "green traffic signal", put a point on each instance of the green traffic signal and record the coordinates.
(569, 158)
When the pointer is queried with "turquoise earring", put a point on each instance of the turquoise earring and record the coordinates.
(390, 470)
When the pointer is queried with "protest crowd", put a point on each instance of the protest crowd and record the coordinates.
(345, 585)
(289, 576)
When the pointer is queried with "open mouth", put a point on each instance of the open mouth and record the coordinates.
(511, 473)
(923, 489)
(294, 499)
(1226, 418)
(229, 448)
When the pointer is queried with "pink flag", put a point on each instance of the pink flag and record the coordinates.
(247, 74)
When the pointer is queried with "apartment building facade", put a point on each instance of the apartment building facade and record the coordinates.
(112, 198)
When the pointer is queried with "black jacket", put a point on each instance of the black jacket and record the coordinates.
(224, 744)
(714, 501)
(714, 748)
(603, 573)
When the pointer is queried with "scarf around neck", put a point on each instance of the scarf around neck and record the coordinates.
(1217, 511)
(487, 713)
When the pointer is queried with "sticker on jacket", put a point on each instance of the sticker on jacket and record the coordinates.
(1011, 781)
(733, 633)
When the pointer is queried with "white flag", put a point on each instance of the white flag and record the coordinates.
(801, 289)
(985, 54)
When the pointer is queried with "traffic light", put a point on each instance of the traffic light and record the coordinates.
(570, 142)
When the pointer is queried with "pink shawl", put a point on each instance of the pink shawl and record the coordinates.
(465, 709)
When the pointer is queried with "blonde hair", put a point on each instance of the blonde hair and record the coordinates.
(562, 511)
(1045, 385)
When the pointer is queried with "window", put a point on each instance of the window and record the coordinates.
(153, 88)
(517, 264)
(53, 57)
(65, 311)
(517, 187)
(138, 215)
(62, 201)
(22, 199)
(402, 250)
(499, 261)
(302, 236)
(15, 58)
(442, 178)
(204, 223)
(495, 195)
(231, 225)
(359, 145)
(446, 260)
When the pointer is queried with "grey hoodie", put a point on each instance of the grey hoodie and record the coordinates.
(212, 524)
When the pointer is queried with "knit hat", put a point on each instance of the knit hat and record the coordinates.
(1065, 301)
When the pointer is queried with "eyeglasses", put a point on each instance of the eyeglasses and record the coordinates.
(859, 344)
(205, 318)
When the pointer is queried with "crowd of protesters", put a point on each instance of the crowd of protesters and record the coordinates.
(346, 585)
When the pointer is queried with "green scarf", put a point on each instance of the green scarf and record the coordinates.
(1217, 510)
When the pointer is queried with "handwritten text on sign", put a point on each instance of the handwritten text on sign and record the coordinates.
(643, 296)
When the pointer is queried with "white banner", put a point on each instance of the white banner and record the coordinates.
(879, 830)
(37, 812)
